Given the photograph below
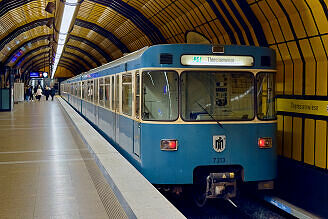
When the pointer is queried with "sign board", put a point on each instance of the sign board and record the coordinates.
(313, 107)
(210, 60)
(38, 74)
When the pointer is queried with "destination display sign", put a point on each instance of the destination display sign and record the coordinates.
(217, 60)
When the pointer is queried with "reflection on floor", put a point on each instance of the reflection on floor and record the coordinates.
(46, 170)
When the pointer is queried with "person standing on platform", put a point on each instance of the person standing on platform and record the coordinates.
(52, 93)
(26, 97)
(35, 89)
(30, 93)
(47, 92)
(39, 93)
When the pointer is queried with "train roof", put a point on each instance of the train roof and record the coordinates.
(169, 55)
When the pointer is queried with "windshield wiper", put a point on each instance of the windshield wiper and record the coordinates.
(217, 121)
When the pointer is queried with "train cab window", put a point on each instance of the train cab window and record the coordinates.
(101, 92)
(217, 95)
(160, 95)
(266, 96)
(127, 94)
(137, 93)
(107, 89)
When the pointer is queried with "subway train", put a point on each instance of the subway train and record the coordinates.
(187, 115)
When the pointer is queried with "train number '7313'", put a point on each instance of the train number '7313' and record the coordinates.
(218, 160)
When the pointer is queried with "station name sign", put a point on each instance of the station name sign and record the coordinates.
(313, 107)
(217, 60)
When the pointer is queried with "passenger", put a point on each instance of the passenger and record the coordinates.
(30, 93)
(47, 92)
(52, 93)
(26, 97)
(39, 93)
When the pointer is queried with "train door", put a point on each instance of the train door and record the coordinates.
(117, 109)
(136, 108)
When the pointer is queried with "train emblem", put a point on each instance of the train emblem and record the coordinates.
(219, 143)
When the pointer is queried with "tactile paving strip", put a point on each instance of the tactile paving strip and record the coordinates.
(107, 196)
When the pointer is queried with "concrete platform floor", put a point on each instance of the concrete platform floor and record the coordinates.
(46, 171)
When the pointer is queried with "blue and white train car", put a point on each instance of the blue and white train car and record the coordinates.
(187, 114)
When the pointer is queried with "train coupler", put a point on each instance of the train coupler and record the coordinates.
(221, 185)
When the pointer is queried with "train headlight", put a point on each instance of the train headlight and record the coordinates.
(265, 142)
(169, 145)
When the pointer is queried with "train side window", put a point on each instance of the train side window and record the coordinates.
(83, 90)
(101, 92)
(79, 89)
(90, 91)
(137, 93)
(160, 95)
(112, 105)
(95, 89)
(75, 89)
(117, 94)
(71, 88)
(127, 94)
(87, 90)
(107, 87)
(266, 96)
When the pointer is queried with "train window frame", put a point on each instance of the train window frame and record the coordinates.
(90, 90)
(127, 111)
(106, 85)
(112, 92)
(85, 90)
(249, 72)
(142, 99)
(117, 94)
(79, 89)
(137, 93)
(256, 95)
(101, 88)
(96, 91)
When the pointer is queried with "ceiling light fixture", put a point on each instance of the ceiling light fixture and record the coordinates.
(67, 21)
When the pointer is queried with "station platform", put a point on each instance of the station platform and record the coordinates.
(48, 170)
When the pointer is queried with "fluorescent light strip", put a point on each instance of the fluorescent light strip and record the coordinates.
(69, 9)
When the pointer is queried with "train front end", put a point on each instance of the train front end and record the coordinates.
(210, 127)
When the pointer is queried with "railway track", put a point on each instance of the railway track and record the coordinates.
(247, 207)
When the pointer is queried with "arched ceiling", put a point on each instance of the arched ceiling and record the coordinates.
(106, 29)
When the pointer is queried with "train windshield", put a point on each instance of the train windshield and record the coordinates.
(223, 96)
(160, 95)
(266, 96)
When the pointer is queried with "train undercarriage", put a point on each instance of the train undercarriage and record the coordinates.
(216, 182)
